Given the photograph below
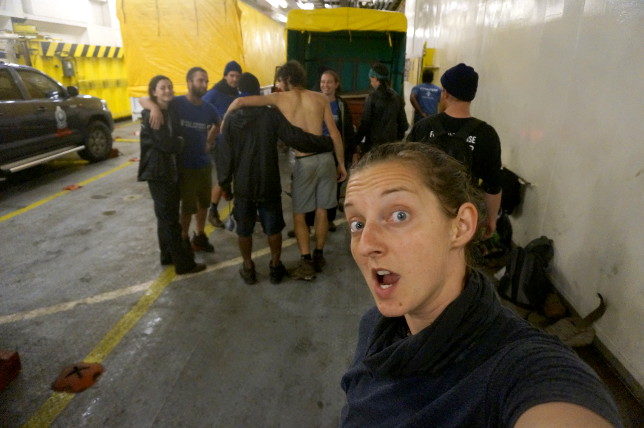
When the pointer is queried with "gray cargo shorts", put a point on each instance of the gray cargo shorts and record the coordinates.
(314, 183)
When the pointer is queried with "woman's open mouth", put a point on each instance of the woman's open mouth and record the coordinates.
(386, 278)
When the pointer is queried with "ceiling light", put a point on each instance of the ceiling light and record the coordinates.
(305, 6)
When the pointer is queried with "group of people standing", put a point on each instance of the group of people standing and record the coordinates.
(438, 349)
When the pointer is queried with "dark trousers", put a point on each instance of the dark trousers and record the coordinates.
(166, 207)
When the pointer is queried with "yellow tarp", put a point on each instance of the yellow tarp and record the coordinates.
(169, 37)
(346, 18)
(264, 44)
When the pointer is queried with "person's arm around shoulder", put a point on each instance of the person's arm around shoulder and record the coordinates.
(338, 148)
(253, 101)
(156, 115)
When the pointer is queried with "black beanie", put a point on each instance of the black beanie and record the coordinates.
(232, 66)
(461, 81)
(248, 84)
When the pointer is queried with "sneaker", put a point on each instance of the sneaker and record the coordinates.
(248, 274)
(200, 243)
(318, 261)
(198, 267)
(290, 234)
(304, 270)
(213, 218)
(277, 273)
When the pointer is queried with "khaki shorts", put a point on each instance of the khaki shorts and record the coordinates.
(314, 183)
(195, 186)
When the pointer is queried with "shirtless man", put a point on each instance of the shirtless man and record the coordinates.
(314, 175)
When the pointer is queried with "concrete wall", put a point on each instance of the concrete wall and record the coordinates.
(561, 81)
(74, 21)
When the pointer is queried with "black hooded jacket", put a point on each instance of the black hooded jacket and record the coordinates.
(247, 153)
(383, 118)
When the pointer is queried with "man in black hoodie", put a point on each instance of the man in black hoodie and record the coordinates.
(247, 157)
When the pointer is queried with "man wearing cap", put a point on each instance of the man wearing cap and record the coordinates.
(383, 118)
(247, 158)
(220, 96)
(459, 88)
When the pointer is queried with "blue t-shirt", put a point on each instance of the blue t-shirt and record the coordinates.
(335, 111)
(195, 121)
(428, 96)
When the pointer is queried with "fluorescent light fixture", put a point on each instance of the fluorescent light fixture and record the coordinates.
(278, 3)
(328, 6)
(305, 6)
(280, 17)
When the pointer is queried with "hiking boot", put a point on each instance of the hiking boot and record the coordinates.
(187, 247)
(213, 218)
(200, 243)
(248, 274)
(318, 261)
(277, 273)
(198, 267)
(304, 270)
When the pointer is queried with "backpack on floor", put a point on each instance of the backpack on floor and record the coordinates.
(525, 281)
(512, 188)
(456, 144)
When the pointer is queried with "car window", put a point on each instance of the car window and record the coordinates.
(8, 89)
(38, 85)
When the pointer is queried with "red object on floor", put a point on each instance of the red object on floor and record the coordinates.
(134, 159)
(77, 377)
(9, 367)
(72, 187)
(114, 153)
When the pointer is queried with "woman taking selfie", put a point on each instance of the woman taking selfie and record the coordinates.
(439, 349)
(158, 166)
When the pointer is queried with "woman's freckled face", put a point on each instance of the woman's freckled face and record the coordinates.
(400, 238)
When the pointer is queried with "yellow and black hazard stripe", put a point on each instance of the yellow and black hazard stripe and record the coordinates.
(62, 49)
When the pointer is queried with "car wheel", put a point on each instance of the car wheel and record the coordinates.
(98, 143)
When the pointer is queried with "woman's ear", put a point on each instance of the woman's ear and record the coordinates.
(464, 225)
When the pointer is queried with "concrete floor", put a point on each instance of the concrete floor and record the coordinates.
(80, 280)
(210, 351)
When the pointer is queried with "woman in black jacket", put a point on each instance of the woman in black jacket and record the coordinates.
(158, 166)
(383, 117)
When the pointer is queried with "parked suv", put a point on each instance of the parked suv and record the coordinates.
(41, 120)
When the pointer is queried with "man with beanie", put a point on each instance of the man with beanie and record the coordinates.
(459, 88)
(247, 159)
(220, 96)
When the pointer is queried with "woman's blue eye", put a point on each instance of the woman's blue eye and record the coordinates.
(399, 216)
(356, 226)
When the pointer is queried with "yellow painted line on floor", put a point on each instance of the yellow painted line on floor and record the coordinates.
(62, 192)
(124, 124)
(126, 140)
(54, 309)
